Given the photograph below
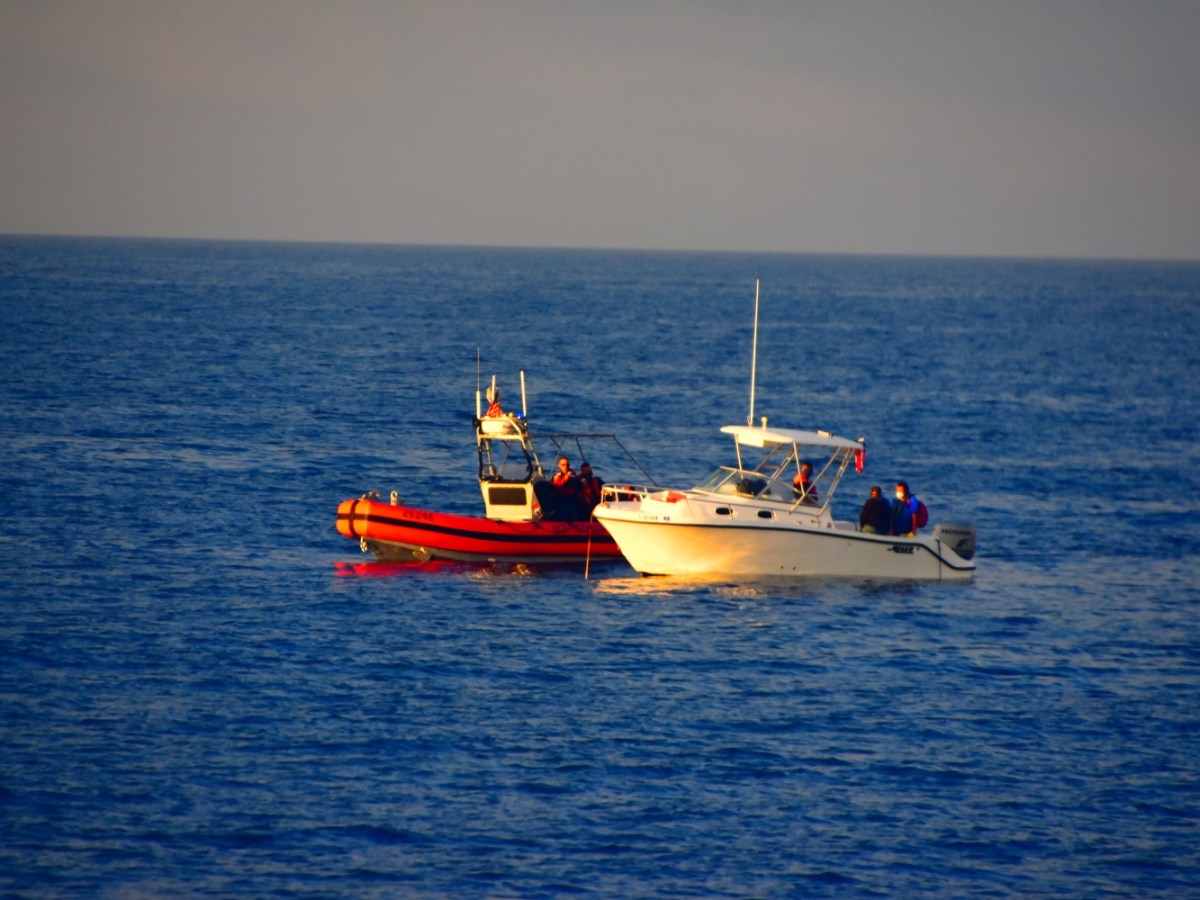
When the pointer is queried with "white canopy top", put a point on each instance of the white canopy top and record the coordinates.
(756, 436)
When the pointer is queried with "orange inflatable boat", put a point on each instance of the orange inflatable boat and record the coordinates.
(528, 518)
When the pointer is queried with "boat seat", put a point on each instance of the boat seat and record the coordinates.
(751, 486)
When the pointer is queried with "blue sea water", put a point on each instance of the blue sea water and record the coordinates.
(194, 700)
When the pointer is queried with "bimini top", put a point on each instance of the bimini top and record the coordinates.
(756, 436)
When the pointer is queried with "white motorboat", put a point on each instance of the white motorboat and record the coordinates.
(758, 518)
(749, 518)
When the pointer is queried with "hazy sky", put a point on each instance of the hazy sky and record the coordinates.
(995, 127)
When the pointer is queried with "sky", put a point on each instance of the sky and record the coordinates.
(1058, 128)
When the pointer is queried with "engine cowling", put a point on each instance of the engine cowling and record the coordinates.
(958, 536)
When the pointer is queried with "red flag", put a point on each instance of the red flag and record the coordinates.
(860, 459)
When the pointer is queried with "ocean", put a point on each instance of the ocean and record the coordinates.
(197, 696)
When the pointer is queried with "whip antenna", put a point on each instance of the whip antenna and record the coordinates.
(478, 387)
(753, 356)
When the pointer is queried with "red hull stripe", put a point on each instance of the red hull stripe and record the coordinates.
(513, 537)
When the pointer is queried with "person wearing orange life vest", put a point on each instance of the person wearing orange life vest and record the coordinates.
(803, 487)
(565, 482)
(566, 487)
(589, 488)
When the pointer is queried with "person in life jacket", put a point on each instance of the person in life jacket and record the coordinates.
(904, 512)
(802, 485)
(566, 487)
(589, 488)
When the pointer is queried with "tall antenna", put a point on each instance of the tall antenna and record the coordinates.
(753, 356)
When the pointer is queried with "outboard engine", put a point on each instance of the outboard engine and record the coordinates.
(958, 536)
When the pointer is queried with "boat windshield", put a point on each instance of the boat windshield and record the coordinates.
(772, 478)
(730, 480)
(504, 461)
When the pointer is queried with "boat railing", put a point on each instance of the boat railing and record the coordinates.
(625, 493)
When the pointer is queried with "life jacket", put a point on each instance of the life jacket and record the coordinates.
(807, 488)
(589, 487)
(565, 484)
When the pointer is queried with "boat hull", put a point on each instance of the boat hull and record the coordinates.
(712, 549)
(404, 534)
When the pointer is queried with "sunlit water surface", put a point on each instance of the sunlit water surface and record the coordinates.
(205, 690)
